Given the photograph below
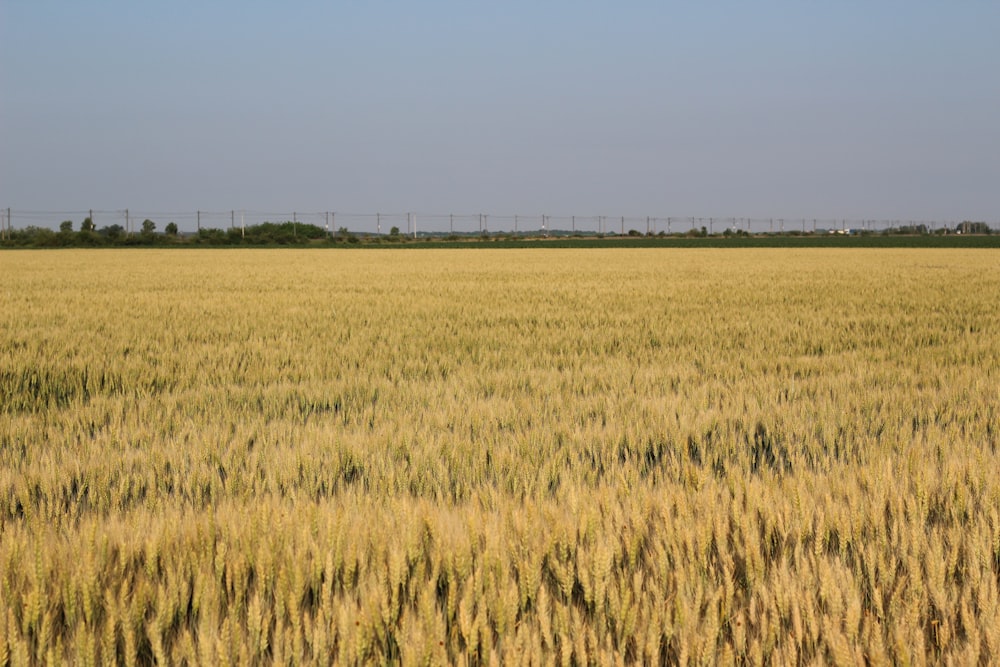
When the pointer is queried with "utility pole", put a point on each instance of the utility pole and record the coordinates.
(515, 223)
(232, 218)
(199, 220)
(414, 226)
(128, 227)
(378, 223)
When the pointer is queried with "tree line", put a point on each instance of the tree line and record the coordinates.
(266, 233)
(298, 233)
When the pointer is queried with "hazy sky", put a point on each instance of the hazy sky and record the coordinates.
(873, 109)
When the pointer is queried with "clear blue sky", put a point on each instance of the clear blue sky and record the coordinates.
(884, 109)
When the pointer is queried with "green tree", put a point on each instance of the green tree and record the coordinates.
(211, 235)
(38, 237)
(394, 232)
(87, 225)
(66, 226)
(148, 227)
(345, 235)
(171, 228)
(113, 232)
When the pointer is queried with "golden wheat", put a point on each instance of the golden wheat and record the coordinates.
(478, 457)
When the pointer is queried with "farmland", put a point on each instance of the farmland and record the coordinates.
(570, 456)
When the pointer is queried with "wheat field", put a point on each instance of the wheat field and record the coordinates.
(479, 456)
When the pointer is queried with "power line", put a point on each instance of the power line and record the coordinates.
(483, 222)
